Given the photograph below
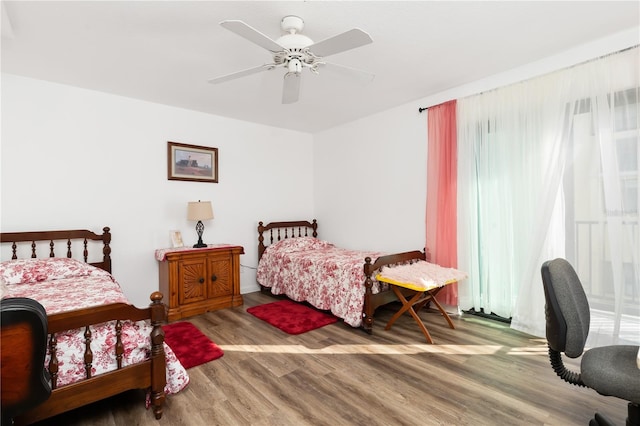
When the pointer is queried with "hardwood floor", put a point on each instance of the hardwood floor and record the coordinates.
(482, 373)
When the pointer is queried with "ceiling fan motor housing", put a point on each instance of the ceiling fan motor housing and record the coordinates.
(295, 57)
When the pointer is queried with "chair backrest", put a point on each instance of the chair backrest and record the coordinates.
(566, 309)
(23, 345)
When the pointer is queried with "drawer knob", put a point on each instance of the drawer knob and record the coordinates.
(213, 277)
(201, 280)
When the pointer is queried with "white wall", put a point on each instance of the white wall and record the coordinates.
(370, 182)
(73, 158)
(370, 174)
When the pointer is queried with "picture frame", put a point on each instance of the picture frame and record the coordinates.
(176, 239)
(192, 162)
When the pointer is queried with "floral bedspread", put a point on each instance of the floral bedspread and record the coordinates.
(317, 272)
(62, 284)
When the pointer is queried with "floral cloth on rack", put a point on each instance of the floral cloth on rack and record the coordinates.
(420, 276)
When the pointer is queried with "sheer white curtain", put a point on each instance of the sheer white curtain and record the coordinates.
(549, 168)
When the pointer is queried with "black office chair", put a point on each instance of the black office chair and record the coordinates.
(609, 370)
(23, 346)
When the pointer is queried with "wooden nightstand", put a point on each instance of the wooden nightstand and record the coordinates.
(195, 281)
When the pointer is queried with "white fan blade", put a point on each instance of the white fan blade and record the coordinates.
(253, 35)
(364, 76)
(340, 43)
(291, 88)
(239, 74)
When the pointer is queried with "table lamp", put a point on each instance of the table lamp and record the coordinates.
(199, 210)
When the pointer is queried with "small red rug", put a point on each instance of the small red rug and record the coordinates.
(189, 344)
(292, 317)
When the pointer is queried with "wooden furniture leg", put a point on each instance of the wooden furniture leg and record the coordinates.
(408, 306)
(439, 306)
(418, 299)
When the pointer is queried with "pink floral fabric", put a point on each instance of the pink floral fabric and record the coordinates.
(301, 244)
(53, 282)
(24, 271)
(421, 275)
(317, 272)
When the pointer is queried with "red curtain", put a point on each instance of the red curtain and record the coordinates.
(441, 242)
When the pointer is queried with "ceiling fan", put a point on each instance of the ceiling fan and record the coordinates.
(295, 52)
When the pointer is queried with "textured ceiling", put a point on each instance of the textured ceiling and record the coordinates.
(165, 51)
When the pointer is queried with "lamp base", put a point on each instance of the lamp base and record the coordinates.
(199, 230)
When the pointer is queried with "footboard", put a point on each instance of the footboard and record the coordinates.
(373, 301)
(148, 374)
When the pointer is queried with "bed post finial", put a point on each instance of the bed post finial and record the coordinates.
(106, 249)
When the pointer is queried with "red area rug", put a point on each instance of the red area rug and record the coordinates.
(189, 344)
(291, 317)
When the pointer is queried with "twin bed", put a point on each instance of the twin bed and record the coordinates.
(294, 262)
(99, 344)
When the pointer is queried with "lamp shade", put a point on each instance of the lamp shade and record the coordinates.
(199, 210)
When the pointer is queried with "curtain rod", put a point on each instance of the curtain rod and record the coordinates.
(422, 109)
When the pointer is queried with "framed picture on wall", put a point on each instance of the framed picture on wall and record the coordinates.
(192, 162)
(176, 239)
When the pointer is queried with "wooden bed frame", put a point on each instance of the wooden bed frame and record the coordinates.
(148, 374)
(277, 231)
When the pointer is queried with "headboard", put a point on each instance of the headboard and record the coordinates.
(68, 237)
(281, 230)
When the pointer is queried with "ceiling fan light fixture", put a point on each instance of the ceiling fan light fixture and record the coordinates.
(295, 65)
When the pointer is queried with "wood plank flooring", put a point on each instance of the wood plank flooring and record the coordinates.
(482, 373)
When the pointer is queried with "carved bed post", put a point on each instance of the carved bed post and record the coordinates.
(158, 360)
(261, 247)
(106, 249)
(367, 314)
